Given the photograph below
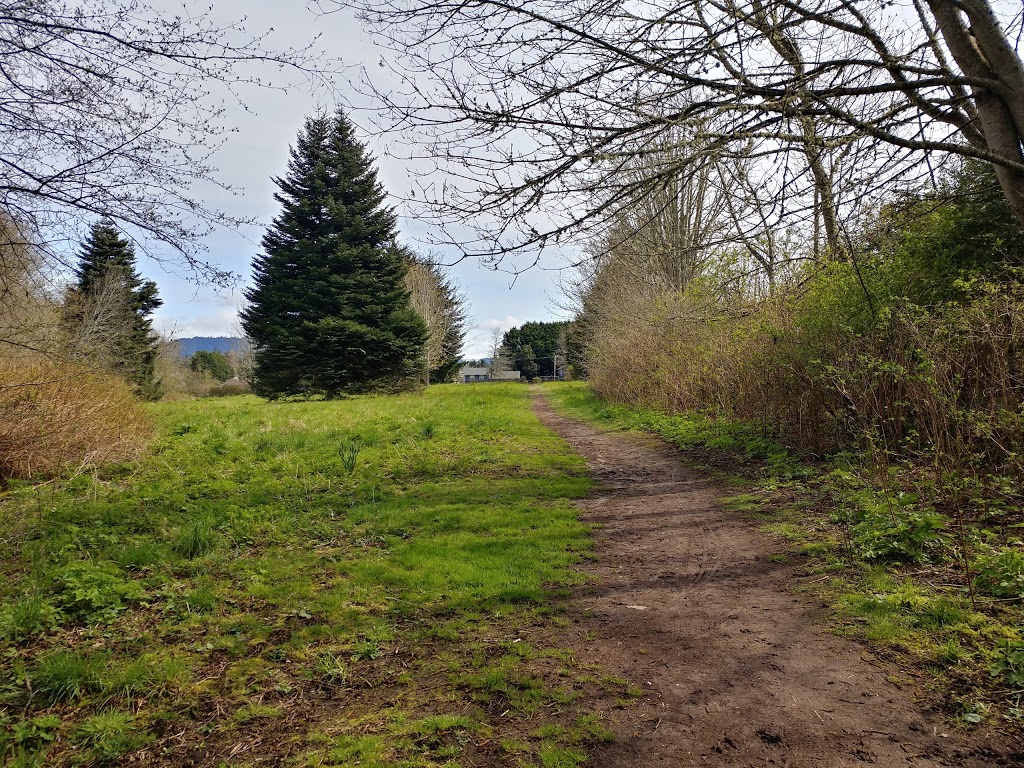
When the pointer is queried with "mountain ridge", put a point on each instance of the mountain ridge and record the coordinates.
(191, 345)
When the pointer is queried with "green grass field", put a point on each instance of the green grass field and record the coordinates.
(367, 582)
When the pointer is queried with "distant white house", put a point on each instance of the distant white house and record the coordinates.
(470, 374)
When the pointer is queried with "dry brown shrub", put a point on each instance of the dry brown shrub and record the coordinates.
(944, 382)
(230, 388)
(58, 413)
(62, 417)
(679, 353)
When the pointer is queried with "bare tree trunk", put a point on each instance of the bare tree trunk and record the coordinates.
(983, 52)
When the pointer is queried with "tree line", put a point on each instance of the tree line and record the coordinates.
(338, 306)
(98, 141)
(536, 349)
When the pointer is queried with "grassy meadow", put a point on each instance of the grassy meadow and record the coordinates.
(373, 581)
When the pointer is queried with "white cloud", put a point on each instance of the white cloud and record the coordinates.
(221, 322)
(478, 340)
(510, 321)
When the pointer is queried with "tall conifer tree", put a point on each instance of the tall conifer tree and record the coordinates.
(109, 309)
(329, 312)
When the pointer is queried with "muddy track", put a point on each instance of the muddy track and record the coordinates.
(736, 668)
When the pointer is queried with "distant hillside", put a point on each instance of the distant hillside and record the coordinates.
(188, 347)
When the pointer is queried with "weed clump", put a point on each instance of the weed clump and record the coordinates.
(107, 736)
(28, 617)
(348, 451)
(196, 539)
(1000, 571)
(67, 676)
(94, 593)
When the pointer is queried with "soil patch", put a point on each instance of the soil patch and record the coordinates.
(736, 669)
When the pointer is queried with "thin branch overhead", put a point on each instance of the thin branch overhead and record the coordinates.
(535, 110)
(111, 110)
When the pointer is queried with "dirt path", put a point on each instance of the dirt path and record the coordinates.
(736, 669)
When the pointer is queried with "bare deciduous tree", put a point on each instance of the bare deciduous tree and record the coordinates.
(436, 299)
(29, 309)
(541, 106)
(111, 110)
(499, 355)
(669, 233)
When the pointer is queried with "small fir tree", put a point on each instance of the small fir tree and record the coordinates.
(110, 307)
(212, 362)
(329, 312)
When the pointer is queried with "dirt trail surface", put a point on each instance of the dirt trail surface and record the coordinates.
(736, 669)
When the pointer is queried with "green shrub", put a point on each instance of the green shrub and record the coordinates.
(900, 535)
(94, 593)
(1000, 572)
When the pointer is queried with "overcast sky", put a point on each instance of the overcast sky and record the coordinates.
(259, 151)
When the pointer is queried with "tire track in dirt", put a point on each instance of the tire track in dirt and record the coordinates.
(736, 670)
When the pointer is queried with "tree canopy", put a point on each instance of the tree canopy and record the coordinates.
(95, 122)
(329, 312)
(807, 109)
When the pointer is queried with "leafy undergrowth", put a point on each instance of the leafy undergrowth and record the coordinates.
(939, 592)
(368, 582)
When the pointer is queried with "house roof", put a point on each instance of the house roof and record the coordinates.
(509, 375)
(469, 371)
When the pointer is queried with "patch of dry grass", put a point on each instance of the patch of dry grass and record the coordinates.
(56, 417)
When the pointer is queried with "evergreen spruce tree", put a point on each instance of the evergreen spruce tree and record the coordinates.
(329, 312)
(212, 362)
(109, 310)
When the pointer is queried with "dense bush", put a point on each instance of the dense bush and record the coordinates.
(905, 359)
(913, 349)
(57, 417)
